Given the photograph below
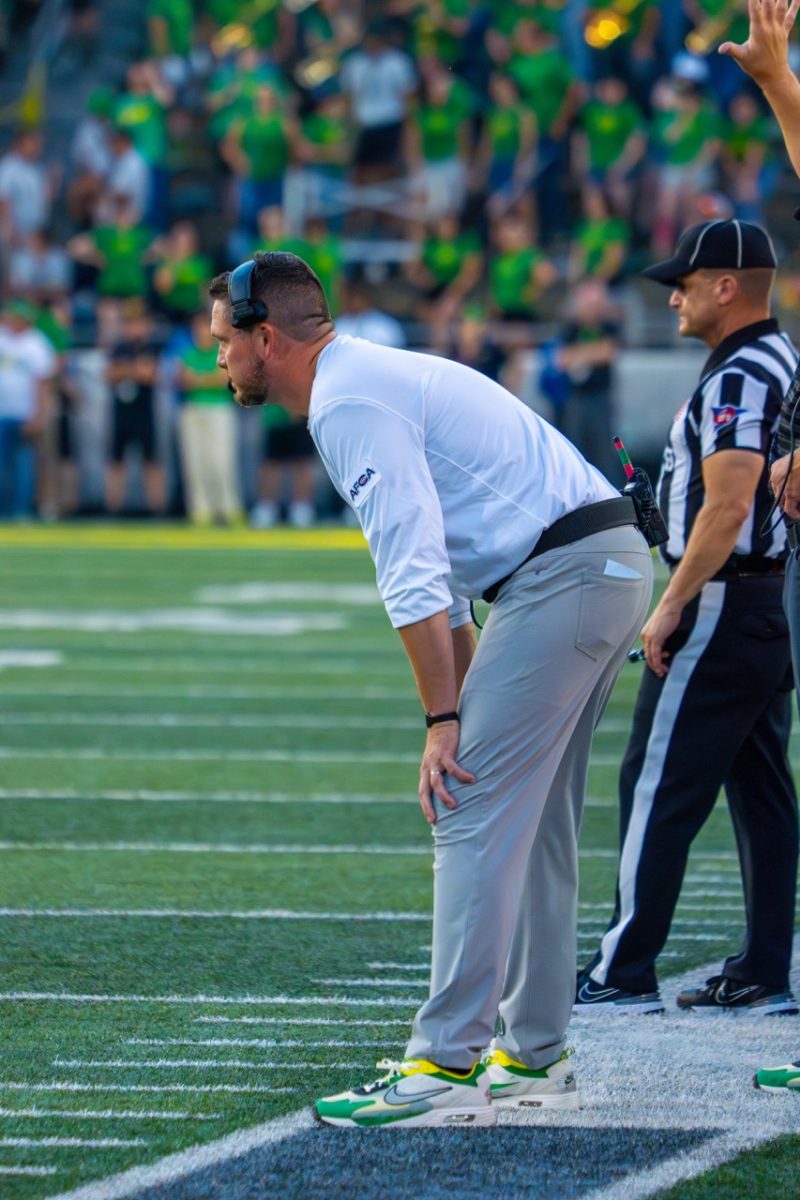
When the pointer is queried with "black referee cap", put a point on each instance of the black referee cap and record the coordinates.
(720, 245)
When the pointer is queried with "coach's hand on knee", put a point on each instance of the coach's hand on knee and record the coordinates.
(439, 761)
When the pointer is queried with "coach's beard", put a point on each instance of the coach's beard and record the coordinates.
(248, 396)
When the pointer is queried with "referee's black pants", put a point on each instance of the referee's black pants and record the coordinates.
(721, 717)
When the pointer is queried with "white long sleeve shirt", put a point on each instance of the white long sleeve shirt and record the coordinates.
(451, 477)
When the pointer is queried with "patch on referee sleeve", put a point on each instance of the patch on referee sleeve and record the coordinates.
(363, 484)
(726, 414)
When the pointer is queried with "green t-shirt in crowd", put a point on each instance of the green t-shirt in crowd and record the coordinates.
(122, 274)
(507, 16)
(56, 331)
(739, 138)
(543, 80)
(439, 129)
(683, 134)
(445, 257)
(240, 87)
(431, 38)
(595, 237)
(179, 17)
(324, 256)
(608, 128)
(189, 283)
(510, 279)
(329, 132)
(144, 119)
(265, 146)
(204, 362)
(504, 128)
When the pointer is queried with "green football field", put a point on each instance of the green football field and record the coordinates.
(215, 881)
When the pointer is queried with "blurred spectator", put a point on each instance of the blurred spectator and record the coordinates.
(39, 269)
(600, 245)
(448, 268)
(26, 187)
(505, 159)
(286, 472)
(519, 272)
(623, 35)
(686, 128)
(548, 84)
(324, 151)
(128, 183)
(169, 26)
(258, 148)
(379, 81)
(27, 366)
(142, 111)
(269, 23)
(745, 159)
(588, 348)
(90, 156)
(207, 425)
(119, 252)
(361, 317)
(472, 343)
(181, 275)
(131, 375)
(610, 145)
(439, 138)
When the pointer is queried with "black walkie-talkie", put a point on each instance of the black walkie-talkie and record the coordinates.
(640, 489)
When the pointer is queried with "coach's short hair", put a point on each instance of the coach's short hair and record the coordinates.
(290, 291)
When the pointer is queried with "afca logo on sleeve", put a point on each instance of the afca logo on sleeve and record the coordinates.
(361, 487)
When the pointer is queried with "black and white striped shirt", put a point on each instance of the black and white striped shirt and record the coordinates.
(735, 407)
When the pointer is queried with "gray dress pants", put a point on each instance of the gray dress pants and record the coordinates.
(506, 859)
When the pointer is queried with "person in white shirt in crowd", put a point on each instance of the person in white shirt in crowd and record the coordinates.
(128, 182)
(463, 492)
(27, 366)
(379, 81)
(361, 317)
(26, 187)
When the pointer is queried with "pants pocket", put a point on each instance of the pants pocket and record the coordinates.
(608, 611)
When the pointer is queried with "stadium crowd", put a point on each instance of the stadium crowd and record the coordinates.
(469, 178)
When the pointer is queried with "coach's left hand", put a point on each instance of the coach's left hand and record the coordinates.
(663, 622)
(438, 761)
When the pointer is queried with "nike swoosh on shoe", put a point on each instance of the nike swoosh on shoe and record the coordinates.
(395, 1097)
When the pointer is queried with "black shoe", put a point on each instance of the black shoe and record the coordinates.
(592, 996)
(721, 994)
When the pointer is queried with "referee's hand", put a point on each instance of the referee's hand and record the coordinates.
(439, 761)
(662, 623)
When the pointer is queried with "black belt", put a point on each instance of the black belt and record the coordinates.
(575, 525)
(748, 566)
(793, 536)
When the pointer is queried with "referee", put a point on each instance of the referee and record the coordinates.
(713, 708)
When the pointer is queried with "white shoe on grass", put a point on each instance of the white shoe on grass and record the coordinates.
(512, 1084)
(412, 1094)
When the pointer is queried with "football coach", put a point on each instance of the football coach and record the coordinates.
(463, 492)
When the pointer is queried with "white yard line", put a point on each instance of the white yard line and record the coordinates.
(191, 721)
(30, 1172)
(253, 1043)
(202, 1064)
(256, 914)
(238, 797)
(215, 848)
(69, 1085)
(106, 1114)
(88, 1143)
(220, 755)
(338, 1022)
(266, 1001)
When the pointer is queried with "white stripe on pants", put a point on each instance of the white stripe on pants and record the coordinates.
(505, 869)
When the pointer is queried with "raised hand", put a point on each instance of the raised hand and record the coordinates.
(765, 54)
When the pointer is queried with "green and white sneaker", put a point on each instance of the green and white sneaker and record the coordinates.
(514, 1084)
(412, 1094)
(778, 1079)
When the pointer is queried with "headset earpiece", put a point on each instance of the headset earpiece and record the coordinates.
(245, 310)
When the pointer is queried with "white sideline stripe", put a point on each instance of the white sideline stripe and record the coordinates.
(201, 692)
(213, 848)
(89, 1143)
(220, 755)
(68, 1085)
(265, 914)
(162, 1064)
(255, 1043)
(107, 1114)
(133, 998)
(244, 797)
(373, 982)
(182, 721)
(186, 1162)
(282, 1021)
(32, 1172)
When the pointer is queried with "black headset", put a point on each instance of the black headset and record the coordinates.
(245, 310)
